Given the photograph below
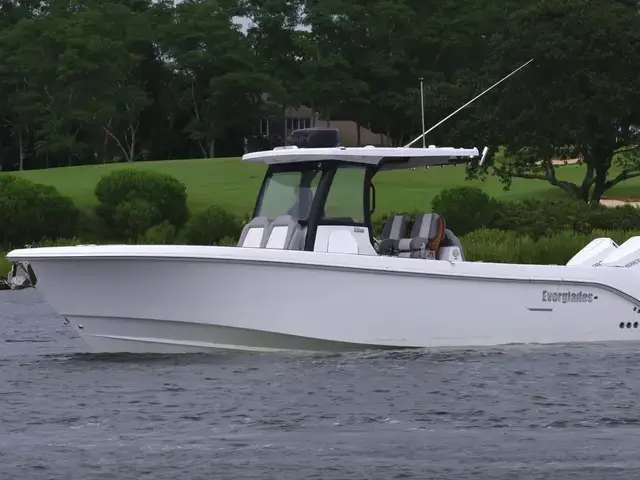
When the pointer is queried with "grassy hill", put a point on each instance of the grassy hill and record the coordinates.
(234, 184)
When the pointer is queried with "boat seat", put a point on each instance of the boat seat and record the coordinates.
(395, 228)
(284, 233)
(254, 234)
(426, 236)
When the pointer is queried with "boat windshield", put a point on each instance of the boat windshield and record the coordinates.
(289, 193)
(345, 201)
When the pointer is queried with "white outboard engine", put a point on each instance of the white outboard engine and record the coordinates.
(626, 255)
(594, 253)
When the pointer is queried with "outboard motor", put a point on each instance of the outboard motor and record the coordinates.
(21, 276)
(593, 253)
(626, 255)
(314, 138)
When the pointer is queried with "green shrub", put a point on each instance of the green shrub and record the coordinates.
(161, 234)
(540, 218)
(132, 201)
(133, 218)
(90, 227)
(30, 212)
(500, 246)
(623, 217)
(59, 242)
(496, 246)
(227, 242)
(464, 209)
(557, 249)
(618, 236)
(467, 209)
(211, 226)
(537, 218)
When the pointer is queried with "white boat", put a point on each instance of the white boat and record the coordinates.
(308, 274)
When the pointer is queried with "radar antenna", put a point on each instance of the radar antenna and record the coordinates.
(467, 104)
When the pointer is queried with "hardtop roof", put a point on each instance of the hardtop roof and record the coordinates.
(389, 158)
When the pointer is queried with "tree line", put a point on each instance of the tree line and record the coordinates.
(96, 81)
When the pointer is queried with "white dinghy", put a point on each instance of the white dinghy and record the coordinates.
(308, 274)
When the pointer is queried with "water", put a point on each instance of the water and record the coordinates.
(501, 413)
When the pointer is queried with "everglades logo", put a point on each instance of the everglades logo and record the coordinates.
(568, 297)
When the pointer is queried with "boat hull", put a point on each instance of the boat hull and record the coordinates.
(161, 300)
(135, 335)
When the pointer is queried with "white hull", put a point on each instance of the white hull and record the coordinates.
(171, 299)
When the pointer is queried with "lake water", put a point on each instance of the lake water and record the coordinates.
(500, 413)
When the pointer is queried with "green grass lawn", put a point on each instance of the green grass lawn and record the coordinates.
(234, 184)
(226, 181)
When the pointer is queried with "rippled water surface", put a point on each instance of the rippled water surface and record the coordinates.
(516, 412)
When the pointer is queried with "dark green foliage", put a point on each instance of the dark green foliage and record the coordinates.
(90, 227)
(132, 201)
(624, 217)
(134, 217)
(30, 212)
(211, 227)
(499, 246)
(161, 234)
(467, 209)
(538, 218)
(577, 99)
(464, 209)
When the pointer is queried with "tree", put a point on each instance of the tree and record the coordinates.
(274, 38)
(72, 81)
(215, 70)
(579, 98)
(88, 81)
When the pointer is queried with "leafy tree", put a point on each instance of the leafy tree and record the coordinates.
(72, 80)
(89, 81)
(216, 73)
(579, 98)
(274, 35)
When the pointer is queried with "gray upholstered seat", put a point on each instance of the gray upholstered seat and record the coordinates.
(284, 233)
(395, 228)
(426, 235)
(255, 233)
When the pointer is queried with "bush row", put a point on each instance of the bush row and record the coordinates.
(30, 212)
(466, 209)
(490, 245)
(134, 206)
(149, 207)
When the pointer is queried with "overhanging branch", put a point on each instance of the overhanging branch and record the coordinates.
(624, 175)
(627, 150)
(549, 176)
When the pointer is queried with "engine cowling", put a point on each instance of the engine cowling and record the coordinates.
(594, 253)
(626, 255)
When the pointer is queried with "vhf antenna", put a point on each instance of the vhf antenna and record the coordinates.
(467, 104)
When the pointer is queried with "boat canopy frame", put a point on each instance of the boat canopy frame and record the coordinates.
(327, 167)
